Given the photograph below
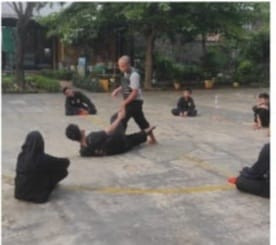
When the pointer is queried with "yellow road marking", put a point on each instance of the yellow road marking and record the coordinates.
(203, 164)
(140, 191)
(164, 191)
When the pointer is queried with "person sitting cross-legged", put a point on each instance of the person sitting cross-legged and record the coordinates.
(185, 105)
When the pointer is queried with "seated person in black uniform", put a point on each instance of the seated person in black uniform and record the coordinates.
(37, 173)
(185, 105)
(110, 141)
(261, 112)
(77, 103)
(256, 179)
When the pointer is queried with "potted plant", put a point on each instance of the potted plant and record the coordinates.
(209, 80)
(236, 84)
(210, 68)
(177, 76)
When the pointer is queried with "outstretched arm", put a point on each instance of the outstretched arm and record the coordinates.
(109, 130)
(116, 91)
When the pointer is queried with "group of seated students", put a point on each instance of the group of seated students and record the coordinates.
(37, 173)
(186, 108)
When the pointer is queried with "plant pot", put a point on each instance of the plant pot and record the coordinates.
(104, 84)
(209, 84)
(236, 84)
(176, 85)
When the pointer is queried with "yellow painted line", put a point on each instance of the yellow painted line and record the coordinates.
(139, 191)
(164, 191)
(203, 164)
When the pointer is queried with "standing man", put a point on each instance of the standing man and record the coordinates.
(132, 94)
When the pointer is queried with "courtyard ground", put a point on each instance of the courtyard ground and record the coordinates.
(173, 193)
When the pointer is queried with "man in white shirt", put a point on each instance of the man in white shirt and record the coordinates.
(132, 94)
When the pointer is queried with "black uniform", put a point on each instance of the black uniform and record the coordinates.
(101, 144)
(77, 102)
(264, 115)
(184, 105)
(37, 173)
(135, 108)
(255, 180)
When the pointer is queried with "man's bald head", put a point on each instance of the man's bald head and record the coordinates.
(124, 63)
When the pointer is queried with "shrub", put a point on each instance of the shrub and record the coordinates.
(57, 74)
(90, 82)
(8, 82)
(43, 83)
(164, 68)
(252, 65)
(186, 72)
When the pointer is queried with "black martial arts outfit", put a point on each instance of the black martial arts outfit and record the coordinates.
(37, 173)
(77, 102)
(264, 115)
(101, 144)
(135, 108)
(255, 180)
(184, 105)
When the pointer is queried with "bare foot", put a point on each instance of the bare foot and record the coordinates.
(149, 130)
(256, 126)
(152, 142)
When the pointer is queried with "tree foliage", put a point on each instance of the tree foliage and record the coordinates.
(91, 23)
(24, 12)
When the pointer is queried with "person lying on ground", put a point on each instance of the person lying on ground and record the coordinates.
(37, 173)
(185, 105)
(110, 141)
(77, 103)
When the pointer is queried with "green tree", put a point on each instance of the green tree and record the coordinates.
(224, 18)
(153, 20)
(85, 24)
(24, 13)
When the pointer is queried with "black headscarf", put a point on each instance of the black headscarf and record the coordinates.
(32, 147)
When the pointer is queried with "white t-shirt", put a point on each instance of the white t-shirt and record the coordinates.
(134, 82)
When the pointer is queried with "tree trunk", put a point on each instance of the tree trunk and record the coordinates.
(19, 55)
(149, 59)
(203, 44)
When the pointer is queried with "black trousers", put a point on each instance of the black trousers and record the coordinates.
(120, 143)
(263, 114)
(177, 111)
(57, 177)
(134, 110)
(135, 139)
(257, 187)
(252, 180)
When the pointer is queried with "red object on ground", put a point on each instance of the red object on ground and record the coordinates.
(232, 180)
